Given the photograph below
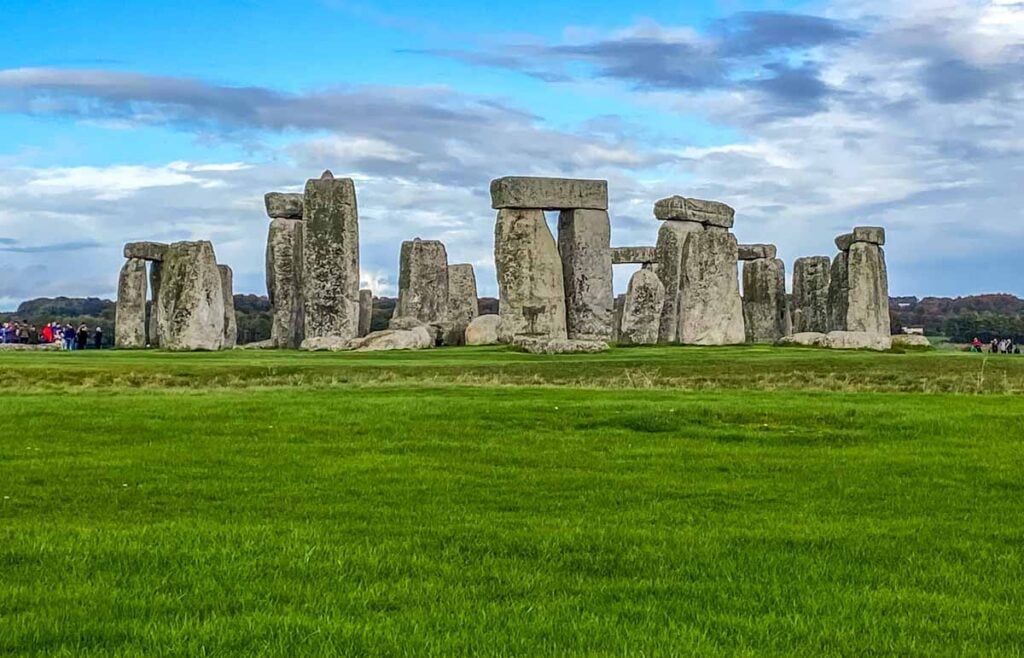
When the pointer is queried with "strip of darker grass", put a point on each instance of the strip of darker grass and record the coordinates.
(510, 521)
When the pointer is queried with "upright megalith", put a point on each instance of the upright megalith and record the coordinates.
(330, 258)
(153, 324)
(227, 290)
(672, 237)
(423, 281)
(620, 304)
(765, 310)
(710, 307)
(859, 286)
(365, 311)
(531, 288)
(284, 282)
(811, 277)
(191, 303)
(641, 311)
(463, 305)
(130, 313)
(584, 244)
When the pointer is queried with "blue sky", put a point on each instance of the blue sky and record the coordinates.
(168, 120)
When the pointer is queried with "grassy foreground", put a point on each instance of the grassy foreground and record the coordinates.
(644, 501)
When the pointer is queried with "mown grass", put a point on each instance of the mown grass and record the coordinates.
(215, 507)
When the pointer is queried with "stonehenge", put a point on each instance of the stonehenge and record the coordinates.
(284, 281)
(641, 309)
(227, 288)
(584, 245)
(810, 309)
(859, 286)
(463, 304)
(365, 311)
(191, 303)
(765, 311)
(130, 314)
(423, 281)
(634, 255)
(710, 307)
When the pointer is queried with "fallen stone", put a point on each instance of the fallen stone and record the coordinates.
(330, 257)
(284, 282)
(641, 311)
(227, 287)
(394, 339)
(534, 193)
(584, 239)
(405, 323)
(463, 304)
(283, 205)
(868, 285)
(145, 250)
(365, 311)
(710, 306)
(529, 270)
(130, 313)
(541, 345)
(756, 251)
(869, 234)
(858, 340)
(680, 208)
(634, 255)
(267, 344)
(805, 338)
(326, 344)
(483, 330)
(910, 340)
(26, 347)
(423, 281)
(672, 238)
(191, 300)
(811, 278)
(765, 308)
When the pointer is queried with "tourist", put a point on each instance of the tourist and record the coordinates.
(68, 333)
(98, 338)
(82, 337)
(47, 333)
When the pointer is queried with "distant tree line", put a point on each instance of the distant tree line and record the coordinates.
(966, 327)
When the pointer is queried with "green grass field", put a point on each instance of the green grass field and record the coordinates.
(477, 501)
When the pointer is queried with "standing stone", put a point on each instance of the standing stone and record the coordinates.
(130, 314)
(463, 305)
(710, 307)
(672, 238)
(153, 326)
(227, 289)
(764, 300)
(584, 244)
(620, 303)
(531, 289)
(868, 284)
(284, 282)
(365, 311)
(330, 258)
(838, 293)
(811, 278)
(191, 301)
(423, 281)
(641, 312)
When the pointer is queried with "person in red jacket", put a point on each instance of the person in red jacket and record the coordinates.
(48, 333)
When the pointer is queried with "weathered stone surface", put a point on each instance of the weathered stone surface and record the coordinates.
(130, 313)
(756, 251)
(283, 205)
(710, 307)
(365, 311)
(423, 281)
(868, 306)
(405, 323)
(394, 339)
(634, 255)
(326, 344)
(672, 237)
(765, 308)
(530, 284)
(463, 304)
(805, 338)
(145, 250)
(29, 347)
(678, 208)
(483, 330)
(641, 312)
(191, 315)
(910, 340)
(284, 282)
(545, 345)
(838, 292)
(858, 340)
(531, 192)
(844, 241)
(227, 286)
(267, 344)
(330, 257)
(620, 304)
(811, 278)
(584, 244)
(869, 234)
(153, 324)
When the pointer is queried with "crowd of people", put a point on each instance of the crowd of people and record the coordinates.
(64, 335)
(997, 346)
